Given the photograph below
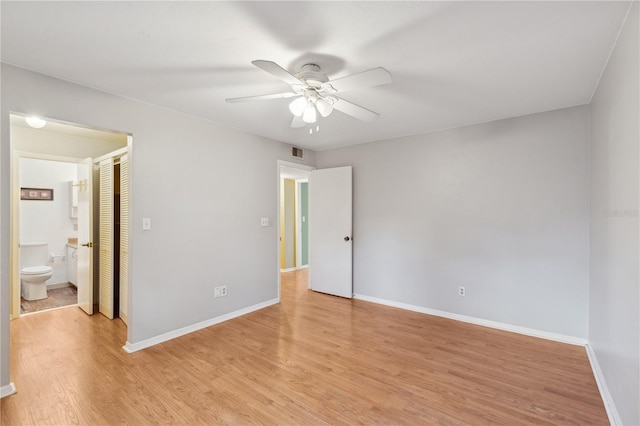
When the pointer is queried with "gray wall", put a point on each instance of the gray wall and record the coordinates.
(203, 229)
(614, 322)
(500, 208)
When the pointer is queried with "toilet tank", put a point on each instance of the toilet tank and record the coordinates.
(34, 254)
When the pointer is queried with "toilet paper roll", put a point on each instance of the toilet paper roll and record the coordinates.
(53, 258)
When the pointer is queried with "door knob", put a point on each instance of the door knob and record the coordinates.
(89, 244)
(347, 238)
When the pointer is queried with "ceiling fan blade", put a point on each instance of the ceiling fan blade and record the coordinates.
(297, 122)
(372, 77)
(355, 111)
(263, 97)
(277, 71)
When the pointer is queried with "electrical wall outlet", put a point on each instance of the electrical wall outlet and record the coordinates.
(461, 291)
(220, 291)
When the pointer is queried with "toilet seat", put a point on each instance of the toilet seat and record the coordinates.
(36, 270)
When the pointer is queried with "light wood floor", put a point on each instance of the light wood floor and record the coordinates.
(311, 360)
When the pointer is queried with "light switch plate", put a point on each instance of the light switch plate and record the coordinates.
(146, 223)
(264, 221)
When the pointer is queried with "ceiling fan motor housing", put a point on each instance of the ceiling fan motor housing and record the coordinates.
(310, 74)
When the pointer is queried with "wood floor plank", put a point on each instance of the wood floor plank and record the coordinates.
(313, 359)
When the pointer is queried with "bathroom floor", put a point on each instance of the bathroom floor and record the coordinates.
(56, 298)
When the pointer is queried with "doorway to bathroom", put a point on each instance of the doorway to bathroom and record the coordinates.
(45, 226)
(53, 158)
(293, 225)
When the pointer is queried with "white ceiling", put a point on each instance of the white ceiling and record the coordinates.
(72, 130)
(453, 63)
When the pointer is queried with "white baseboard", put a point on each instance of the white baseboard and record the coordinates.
(612, 413)
(7, 390)
(58, 285)
(478, 321)
(134, 347)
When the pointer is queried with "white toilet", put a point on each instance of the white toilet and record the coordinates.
(34, 271)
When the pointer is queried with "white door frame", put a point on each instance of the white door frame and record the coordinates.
(280, 165)
(14, 231)
(14, 235)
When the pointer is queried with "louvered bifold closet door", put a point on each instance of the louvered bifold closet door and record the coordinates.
(106, 238)
(124, 237)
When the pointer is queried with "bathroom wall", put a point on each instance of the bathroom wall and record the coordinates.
(48, 221)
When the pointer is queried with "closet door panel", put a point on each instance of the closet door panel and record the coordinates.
(106, 238)
(124, 237)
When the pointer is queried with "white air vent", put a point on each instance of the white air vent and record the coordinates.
(297, 152)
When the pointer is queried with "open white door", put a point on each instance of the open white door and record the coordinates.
(330, 227)
(85, 235)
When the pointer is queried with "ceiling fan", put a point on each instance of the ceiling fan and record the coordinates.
(315, 92)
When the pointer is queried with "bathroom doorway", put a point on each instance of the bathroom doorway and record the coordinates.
(38, 156)
(293, 221)
(45, 227)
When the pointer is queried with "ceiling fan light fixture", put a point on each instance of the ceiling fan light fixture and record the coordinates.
(309, 115)
(298, 106)
(324, 107)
